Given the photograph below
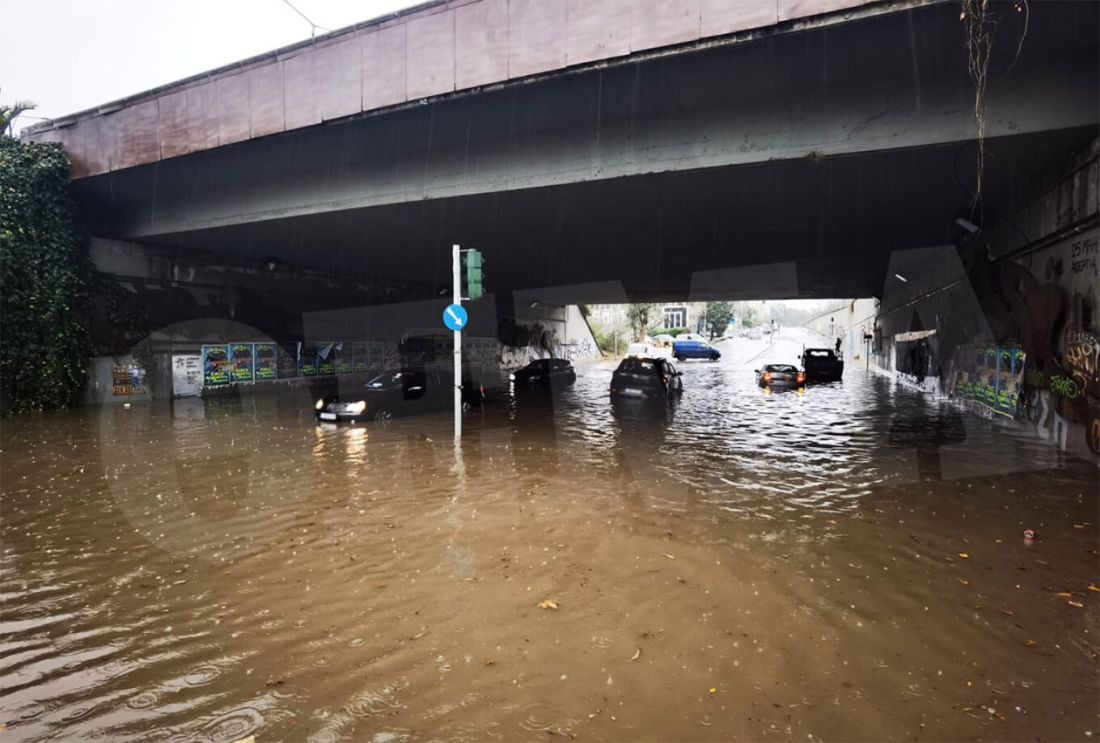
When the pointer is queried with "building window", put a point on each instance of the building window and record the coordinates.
(675, 317)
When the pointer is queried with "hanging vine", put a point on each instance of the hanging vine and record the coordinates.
(980, 27)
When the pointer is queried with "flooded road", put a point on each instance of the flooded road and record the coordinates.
(845, 563)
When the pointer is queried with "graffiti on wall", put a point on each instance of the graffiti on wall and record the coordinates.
(1053, 308)
(991, 377)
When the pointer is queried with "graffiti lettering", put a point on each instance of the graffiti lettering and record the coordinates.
(1083, 254)
(1094, 434)
(1035, 378)
(1083, 359)
(1065, 387)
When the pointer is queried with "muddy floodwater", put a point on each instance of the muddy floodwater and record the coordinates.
(844, 563)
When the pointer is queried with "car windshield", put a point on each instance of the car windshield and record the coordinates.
(636, 366)
(390, 379)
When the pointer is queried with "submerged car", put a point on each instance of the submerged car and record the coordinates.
(780, 375)
(398, 392)
(544, 374)
(645, 378)
(822, 365)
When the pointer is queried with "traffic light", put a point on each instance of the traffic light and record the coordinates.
(474, 274)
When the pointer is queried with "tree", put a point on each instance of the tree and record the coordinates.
(43, 285)
(639, 316)
(8, 114)
(716, 317)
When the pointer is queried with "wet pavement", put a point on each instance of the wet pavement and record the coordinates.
(843, 563)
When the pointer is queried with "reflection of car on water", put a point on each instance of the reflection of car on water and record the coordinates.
(398, 392)
(780, 375)
(645, 378)
(544, 374)
(822, 365)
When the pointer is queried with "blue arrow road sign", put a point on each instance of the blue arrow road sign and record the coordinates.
(454, 317)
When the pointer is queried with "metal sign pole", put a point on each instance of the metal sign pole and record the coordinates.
(457, 268)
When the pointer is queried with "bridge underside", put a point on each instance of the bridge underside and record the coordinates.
(811, 228)
(789, 166)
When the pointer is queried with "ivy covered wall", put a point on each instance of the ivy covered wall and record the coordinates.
(44, 278)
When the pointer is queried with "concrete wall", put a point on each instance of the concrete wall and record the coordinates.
(435, 49)
(1029, 283)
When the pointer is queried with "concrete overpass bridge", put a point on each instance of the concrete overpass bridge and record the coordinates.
(702, 148)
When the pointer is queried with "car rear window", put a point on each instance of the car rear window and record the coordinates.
(637, 366)
(782, 368)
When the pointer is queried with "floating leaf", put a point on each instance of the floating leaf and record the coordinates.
(548, 604)
(1094, 588)
(1031, 643)
(1077, 604)
(964, 555)
(1064, 595)
(637, 653)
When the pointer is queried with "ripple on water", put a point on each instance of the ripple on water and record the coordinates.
(542, 718)
(233, 725)
(374, 703)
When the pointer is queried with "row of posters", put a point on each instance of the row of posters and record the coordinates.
(991, 377)
(226, 363)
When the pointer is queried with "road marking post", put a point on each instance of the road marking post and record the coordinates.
(457, 269)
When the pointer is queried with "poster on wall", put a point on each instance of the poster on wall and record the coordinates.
(377, 357)
(129, 378)
(341, 353)
(991, 377)
(240, 362)
(266, 368)
(215, 365)
(186, 374)
(307, 359)
(360, 357)
(286, 360)
(326, 364)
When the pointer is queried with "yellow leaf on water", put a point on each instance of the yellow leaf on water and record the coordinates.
(964, 581)
(637, 653)
(1064, 595)
(548, 604)
(964, 555)
(1031, 643)
(1094, 588)
(1077, 604)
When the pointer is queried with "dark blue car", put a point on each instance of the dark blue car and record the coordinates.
(694, 349)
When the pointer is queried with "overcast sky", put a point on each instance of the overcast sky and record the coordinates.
(69, 55)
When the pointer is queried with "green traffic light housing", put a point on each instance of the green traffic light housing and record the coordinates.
(474, 274)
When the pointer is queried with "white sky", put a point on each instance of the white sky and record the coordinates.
(69, 55)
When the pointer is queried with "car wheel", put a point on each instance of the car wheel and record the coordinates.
(383, 415)
(714, 357)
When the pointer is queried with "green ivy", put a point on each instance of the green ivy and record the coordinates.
(44, 272)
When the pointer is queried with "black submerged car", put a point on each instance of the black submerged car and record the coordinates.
(822, 365)
(645, 378)
(398, 392)
(544, 374)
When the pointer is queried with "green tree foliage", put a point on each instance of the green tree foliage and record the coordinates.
(8, 114)
(44, 339)
(717, 318)
(639, 316)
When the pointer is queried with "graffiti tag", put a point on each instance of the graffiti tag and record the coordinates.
(1083, 254)
(1083, 358)
(1065, 387)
